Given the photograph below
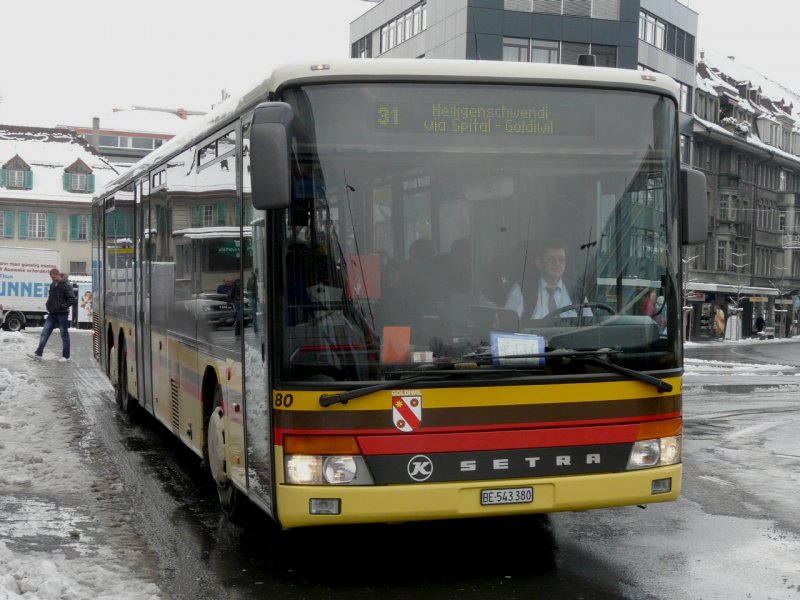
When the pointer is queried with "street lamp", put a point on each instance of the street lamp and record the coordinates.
(687, 310)
(686, 289)
(739, 267)
(782, 291)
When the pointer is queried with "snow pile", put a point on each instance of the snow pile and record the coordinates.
(55, 541)
(696, 366)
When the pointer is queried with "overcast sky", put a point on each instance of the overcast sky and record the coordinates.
(762, 34)
(66, 62)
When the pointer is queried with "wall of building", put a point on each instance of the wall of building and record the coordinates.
(458, 29)
(680, 16)
(72, 251)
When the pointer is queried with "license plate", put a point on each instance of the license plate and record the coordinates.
(520, 495)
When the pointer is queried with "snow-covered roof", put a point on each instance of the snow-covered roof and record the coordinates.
(142, 119)
(48, 151)
(776, 94)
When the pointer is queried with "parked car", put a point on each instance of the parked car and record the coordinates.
(216, 309)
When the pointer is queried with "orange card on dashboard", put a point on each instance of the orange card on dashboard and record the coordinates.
(395, 344)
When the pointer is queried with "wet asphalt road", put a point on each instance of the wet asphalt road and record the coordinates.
(729, 536)
(779, 351)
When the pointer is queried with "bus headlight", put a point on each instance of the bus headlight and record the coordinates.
(305, 469)
(655, 453)
(339, 469)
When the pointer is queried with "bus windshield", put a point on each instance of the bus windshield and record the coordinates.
(485, 228)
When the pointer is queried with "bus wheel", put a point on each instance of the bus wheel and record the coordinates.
(124, 401)
(111, 366)
(229, 496)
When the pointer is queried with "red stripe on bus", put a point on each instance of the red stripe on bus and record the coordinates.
(498, 440)
(556, 429)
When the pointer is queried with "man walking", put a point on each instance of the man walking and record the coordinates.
(59, 305)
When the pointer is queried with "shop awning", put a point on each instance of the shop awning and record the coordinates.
(725, 288)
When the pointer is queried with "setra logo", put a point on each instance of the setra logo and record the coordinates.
(420, 467)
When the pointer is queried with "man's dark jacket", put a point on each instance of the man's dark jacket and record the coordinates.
(60, 299)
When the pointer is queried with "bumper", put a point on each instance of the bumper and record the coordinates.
(398, 503)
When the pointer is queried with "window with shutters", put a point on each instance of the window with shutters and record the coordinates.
(79, 226)
(37, 225)
(208, 215)
(78, 178)
(16, 179)
(16, 174)
(79, 182)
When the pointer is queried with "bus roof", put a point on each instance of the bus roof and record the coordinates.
(378, 69)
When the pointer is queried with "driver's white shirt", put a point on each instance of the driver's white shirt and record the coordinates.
(515, 301)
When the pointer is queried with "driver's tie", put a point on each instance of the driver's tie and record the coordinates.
(551, 302)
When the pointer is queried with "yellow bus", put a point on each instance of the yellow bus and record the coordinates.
(335, 290)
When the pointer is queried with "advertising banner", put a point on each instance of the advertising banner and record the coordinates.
(85, 312)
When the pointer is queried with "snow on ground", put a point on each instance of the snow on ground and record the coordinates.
(697, 366)
(57, 540)
(751, 372)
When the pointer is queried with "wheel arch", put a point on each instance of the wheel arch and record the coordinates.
(210, 382)
(110, 357)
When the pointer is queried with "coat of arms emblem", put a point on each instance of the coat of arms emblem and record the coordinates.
(407, 409)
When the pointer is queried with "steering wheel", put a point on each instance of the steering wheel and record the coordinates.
(579, 307)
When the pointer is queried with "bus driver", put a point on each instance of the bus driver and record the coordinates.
(548, 291)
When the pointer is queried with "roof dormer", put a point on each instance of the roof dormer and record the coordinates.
(16, 174)
(78, 178)
(743, 87)
(754, 95)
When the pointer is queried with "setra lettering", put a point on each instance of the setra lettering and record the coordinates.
(531, 462)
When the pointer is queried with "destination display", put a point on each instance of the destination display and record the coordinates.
(460, 118)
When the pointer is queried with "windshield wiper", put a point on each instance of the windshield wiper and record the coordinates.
(660, 385)
(586, 356)
(592, 357)
(331, 399)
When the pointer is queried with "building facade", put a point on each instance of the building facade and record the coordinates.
(47, 178)
(656, 35)
(747, 142)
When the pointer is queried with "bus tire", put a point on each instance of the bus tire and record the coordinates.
(124, 401)
(111, 367)
(229, 496)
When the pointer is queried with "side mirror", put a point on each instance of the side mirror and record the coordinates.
(694, 206)
(270, 156)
